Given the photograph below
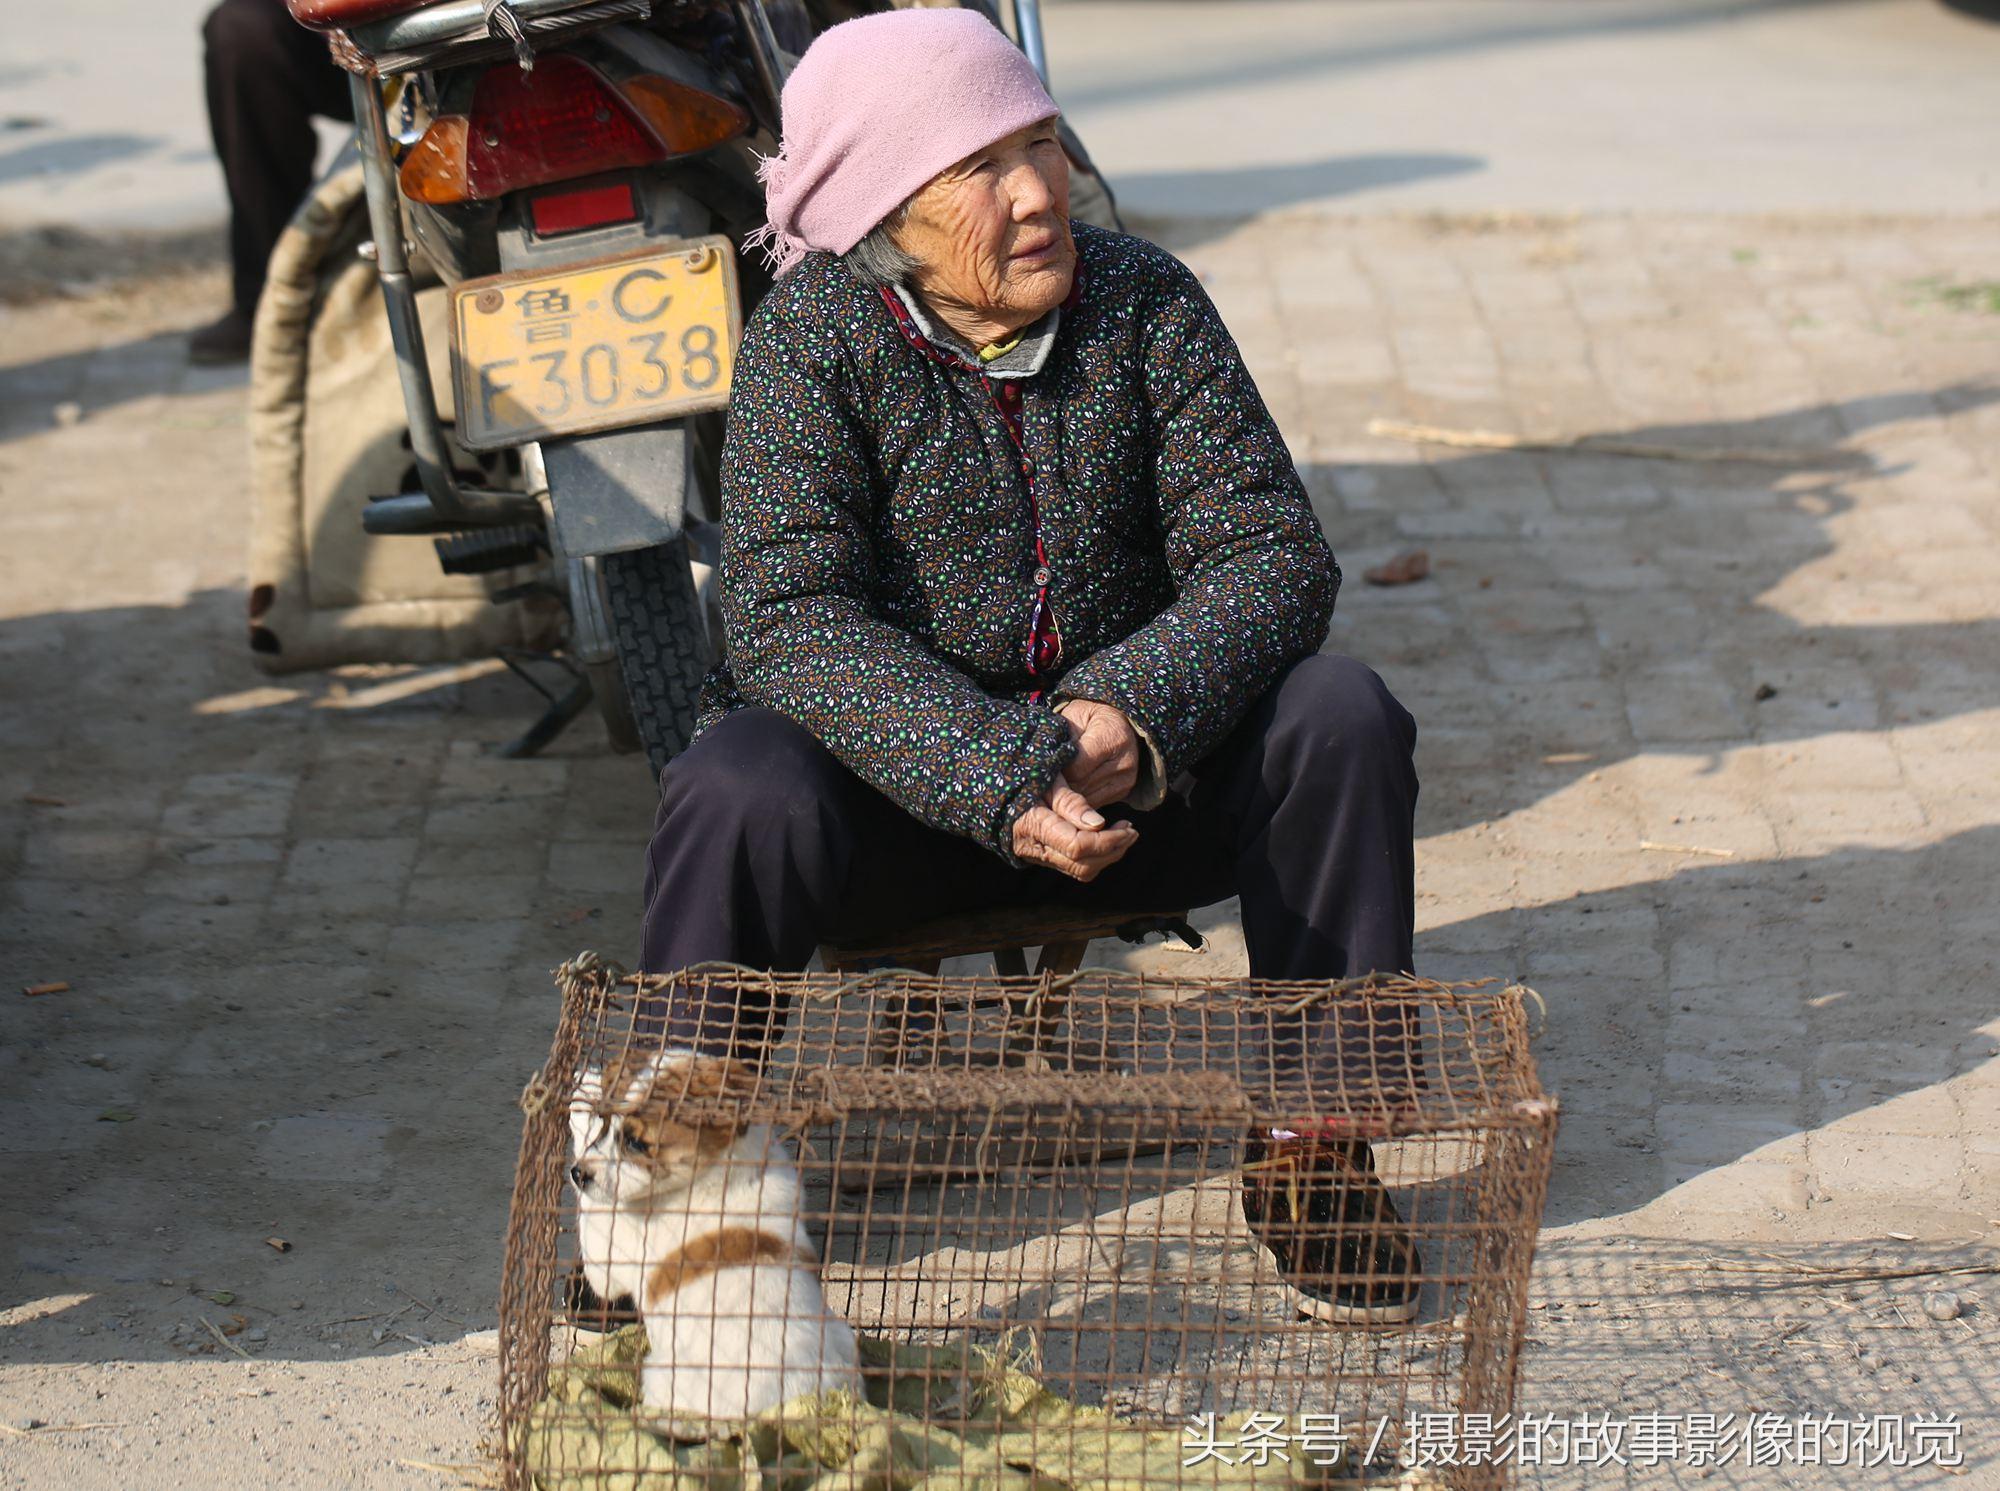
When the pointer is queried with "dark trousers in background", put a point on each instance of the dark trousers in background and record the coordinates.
(765, 846)
(267, 77)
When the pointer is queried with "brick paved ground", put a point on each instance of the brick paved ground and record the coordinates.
(306, 925)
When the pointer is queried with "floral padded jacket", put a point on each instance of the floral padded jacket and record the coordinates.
(878, 561)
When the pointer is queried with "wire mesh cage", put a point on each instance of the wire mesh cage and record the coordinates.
(779, 1232)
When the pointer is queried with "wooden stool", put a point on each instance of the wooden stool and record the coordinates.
(1032, 1040)
(1063, 935)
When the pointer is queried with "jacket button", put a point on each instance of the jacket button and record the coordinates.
(1042, 576)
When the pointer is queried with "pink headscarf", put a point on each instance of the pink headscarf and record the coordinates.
(876, 108)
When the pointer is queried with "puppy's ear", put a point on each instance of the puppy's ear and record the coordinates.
(715, 1084)
(723, 1078)
(626, 1082)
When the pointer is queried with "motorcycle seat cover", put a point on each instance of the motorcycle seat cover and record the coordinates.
(329, 15)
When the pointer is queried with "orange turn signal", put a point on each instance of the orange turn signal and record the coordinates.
(434, 171)
(684, 119)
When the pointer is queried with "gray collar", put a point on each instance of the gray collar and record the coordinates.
(1024, 359)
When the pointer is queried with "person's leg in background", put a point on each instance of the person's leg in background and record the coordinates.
(266, 78)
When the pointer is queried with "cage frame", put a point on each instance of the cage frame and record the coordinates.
(1507, 1108)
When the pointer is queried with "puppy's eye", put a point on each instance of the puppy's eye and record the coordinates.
(637, 1143)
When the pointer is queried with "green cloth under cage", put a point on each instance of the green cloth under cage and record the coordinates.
(1010, 1433)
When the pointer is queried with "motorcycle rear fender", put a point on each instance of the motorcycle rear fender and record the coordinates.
(623, 489)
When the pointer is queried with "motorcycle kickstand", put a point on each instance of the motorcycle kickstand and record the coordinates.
(562, 708)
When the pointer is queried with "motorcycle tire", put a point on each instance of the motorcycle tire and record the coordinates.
(662, 644)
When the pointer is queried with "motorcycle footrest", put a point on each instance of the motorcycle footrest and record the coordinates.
(482, 551)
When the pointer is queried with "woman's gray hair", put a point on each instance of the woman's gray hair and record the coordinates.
(876, 260)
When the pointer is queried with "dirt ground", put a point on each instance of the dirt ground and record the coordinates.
(1710, 758)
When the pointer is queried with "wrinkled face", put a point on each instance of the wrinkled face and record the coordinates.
(645, 1141)
(991, 234)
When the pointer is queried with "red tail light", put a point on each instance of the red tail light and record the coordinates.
(561, 121)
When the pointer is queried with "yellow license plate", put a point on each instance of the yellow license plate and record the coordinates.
(614, 342)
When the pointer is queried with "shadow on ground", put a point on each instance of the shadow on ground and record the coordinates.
(1329, 62)
(99, 379)
(1578, 611)
(74, 153)
(1226, 194)
(1632, 1325)
(1772, 1051)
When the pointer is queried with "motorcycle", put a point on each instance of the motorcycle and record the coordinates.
(580, 175)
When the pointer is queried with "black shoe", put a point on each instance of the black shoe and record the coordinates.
(1330, 1223)
(226, 339)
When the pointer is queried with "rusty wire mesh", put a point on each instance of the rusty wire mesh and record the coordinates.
(1024, 1196)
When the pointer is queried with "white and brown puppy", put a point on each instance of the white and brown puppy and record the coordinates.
(698, 1221)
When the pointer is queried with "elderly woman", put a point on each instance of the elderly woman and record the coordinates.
(1023, 596)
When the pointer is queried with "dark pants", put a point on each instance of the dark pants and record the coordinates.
(267, 77)
(765, 845)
